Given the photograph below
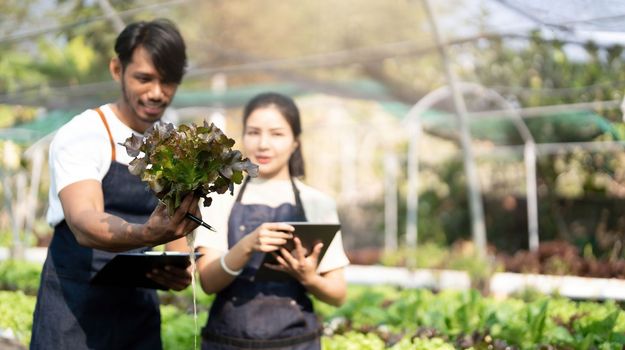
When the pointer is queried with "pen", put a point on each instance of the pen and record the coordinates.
(199, 221)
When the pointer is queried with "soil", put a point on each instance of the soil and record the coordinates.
(10, 344)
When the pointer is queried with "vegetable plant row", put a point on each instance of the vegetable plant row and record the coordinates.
(391, 318)
(468, 320)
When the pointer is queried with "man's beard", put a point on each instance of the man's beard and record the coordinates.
(132, 108)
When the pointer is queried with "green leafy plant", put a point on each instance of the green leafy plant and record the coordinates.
(190, 158)
(178, 328)
(20, 275)
(16, 314)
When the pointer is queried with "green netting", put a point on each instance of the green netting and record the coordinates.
(53, 119)
(550, 128)
(568, 126)
(30, 132)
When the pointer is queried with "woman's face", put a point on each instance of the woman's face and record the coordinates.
(268, 141)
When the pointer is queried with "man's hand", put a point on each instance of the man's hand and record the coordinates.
(172, 277)
(161, 228)
(83, 206)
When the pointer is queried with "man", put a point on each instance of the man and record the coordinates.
(98, 208)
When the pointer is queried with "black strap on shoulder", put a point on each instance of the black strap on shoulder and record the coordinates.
(298, 200)
(240, 195)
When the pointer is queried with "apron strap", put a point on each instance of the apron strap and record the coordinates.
(298, 199)
(108, 131)
(240, 194)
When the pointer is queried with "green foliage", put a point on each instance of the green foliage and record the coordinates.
(385, 317)
(178, 328)
(447, 212)
(78, 52)
(371, 341)
(183, 300)
(461, 257)
(428, 255)
(16, 70)
(188, 159)
(72, 61)
(365, 302)
(422, 344)
(542, 64)
(7, 239)
(540, 72)
(557, 322)
(353, 341)
(6, 236)
(479, 269)
(12, 115)
(16, 314)
(20, 275)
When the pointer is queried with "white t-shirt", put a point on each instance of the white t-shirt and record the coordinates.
(81, 150)
(318, 207)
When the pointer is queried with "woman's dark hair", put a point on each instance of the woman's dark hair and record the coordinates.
(286, 106)
(162, 40)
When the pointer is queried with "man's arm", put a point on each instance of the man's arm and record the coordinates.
(83, 206)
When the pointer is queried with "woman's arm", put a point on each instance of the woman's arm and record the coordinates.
(212, 279)
(179, 245)
(268, 237)
(329, 287)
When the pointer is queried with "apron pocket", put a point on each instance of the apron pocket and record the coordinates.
(264, 317)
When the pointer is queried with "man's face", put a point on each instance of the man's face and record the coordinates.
(145, 95)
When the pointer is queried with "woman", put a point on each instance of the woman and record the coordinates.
(247, 312)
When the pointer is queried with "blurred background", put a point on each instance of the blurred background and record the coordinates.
(492, 128)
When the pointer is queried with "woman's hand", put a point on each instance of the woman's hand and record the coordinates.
(297, 264)
(268, 237)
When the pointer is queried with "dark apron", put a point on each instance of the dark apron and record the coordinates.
(73, 314)
(252, 314)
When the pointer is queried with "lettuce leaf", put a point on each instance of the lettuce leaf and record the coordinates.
(177, 161)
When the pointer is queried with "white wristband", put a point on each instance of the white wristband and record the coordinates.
(222, 261)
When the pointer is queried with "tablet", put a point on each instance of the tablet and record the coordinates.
(310, 234)
(130, 269)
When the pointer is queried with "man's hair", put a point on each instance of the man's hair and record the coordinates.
(163, 42)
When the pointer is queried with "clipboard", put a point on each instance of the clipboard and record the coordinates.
(309, 234)
(130, 269)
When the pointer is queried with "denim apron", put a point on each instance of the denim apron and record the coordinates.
(253, 314)
(73, 314)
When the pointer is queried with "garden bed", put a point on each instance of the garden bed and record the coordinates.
(385, 317)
